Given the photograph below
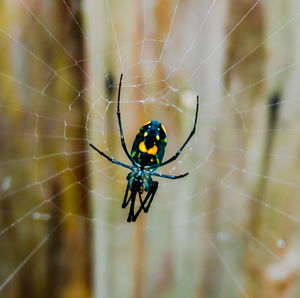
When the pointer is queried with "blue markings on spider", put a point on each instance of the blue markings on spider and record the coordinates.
(146, 156)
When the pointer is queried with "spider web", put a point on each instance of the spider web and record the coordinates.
(236, 157)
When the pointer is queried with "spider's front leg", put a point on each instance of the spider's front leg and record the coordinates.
(136, 186)
(131, 215)
(125, 203)
(150, 195)
(128, 187)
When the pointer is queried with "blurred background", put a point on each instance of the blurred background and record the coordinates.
(228, 229)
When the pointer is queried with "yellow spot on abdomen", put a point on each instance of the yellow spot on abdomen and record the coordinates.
(142, 147)
(152, 151)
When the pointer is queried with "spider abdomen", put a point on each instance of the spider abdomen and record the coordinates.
(149, 145)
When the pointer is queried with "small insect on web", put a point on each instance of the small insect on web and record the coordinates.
(146, 156)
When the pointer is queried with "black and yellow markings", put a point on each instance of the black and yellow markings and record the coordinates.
(149, 145)
(157, 160)
(151, 151)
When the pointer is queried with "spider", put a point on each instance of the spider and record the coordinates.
(146, 156)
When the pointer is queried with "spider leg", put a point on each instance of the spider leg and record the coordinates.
(111, 159)
(131, 210)
(184, 144)
(168, 176)
(125, 203)
(132, 216)
(135, 216)
(120, 123)
(150, 195)
(142, 207)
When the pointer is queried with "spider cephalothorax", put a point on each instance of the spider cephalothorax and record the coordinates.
(146, 156)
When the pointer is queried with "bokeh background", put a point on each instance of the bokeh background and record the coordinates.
(228, 229)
